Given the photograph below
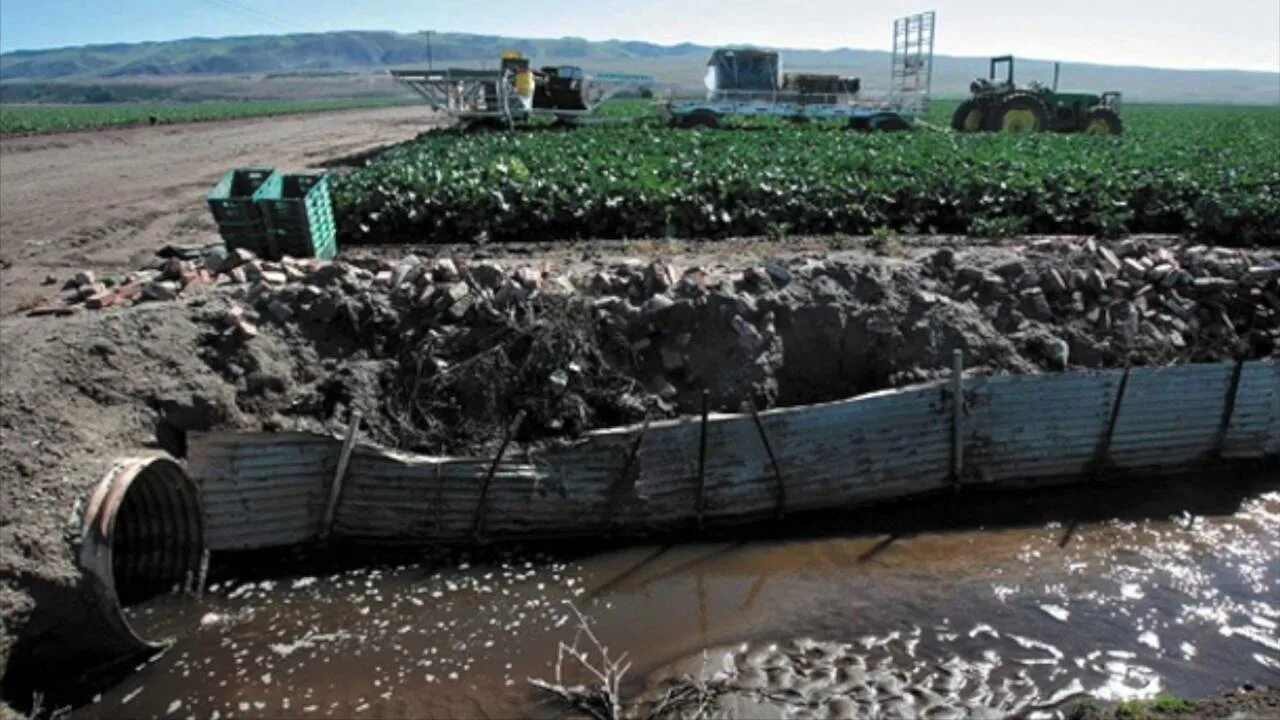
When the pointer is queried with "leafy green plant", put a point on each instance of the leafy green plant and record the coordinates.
(1212, 172)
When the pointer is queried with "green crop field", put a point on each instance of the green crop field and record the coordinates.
(1210, 172)
(39, 119)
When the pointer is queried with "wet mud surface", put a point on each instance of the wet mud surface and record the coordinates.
(982, 607)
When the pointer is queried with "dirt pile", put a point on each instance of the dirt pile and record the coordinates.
(444, 354)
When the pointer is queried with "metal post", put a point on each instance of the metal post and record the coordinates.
(1104, 448)
(1228, 407)
(780, 506)
(957, 416)
(335, 489)
(1057, 70)
(702, 456)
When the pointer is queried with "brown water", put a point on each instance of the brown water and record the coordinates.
(1114, 592)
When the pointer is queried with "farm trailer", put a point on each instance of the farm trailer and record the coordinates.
(750, 83)
(515, 93)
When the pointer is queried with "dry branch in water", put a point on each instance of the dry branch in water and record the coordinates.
(602, 699)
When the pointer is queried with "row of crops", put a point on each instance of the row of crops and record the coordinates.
(1209, 171)
(40, 119)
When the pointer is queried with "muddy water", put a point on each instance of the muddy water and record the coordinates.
(990, 605)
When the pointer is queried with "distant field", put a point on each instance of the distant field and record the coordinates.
(41, 119)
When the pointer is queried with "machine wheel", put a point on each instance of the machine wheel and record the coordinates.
(700, 119)
(1019, 113)
(968, 117)
(1102, 121)
(889, 123)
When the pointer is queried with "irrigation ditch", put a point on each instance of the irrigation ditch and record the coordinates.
(463, 402)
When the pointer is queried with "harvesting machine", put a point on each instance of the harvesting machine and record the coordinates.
(1003, 106)
(516, 92)
(745, 82)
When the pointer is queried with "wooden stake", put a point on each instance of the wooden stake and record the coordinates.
(477, 523)
(335, 489)
(957, 417)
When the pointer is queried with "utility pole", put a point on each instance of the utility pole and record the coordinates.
(430, 66)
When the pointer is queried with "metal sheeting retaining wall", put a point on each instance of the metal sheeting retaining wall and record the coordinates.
(264, 490)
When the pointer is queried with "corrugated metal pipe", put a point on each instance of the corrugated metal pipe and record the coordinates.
(142, 536)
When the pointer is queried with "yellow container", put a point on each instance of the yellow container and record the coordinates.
(524, 83)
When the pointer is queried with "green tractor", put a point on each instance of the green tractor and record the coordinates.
(1002, 106)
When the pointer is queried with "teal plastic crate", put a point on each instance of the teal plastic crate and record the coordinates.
(298, 214)
(238, 217)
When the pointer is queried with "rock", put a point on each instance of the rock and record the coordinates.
(161, 290)
(1053, 282)
(244, 329)
(236, 258)
(1034, 304)
(458, 310)
(1214, 284)
(511, 293)
(252, 270)
(1057, 353)
(1109, 261)
(279, 311)
(237, 276)
(99, 300)
(1158, 273)
(56, 310)
(1134, 269)
(84, 292)
(274, 277)
(529, 278)
(779, 272)
(50, 280)
(214, 258)
(749, 338)
(659, 277)
(444, 270)
(1010, 270)
(450, 293)
(487, 274)
(656, 304)
(943, 259)
(82, 278)
(383, 278)
(1095, 282)
(969, 275)
(694, 283)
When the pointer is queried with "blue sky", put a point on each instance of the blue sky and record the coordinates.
(1243, 34)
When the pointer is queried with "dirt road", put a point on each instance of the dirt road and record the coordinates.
(106, 200)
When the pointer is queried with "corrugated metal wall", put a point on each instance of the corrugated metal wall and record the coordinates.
(264, 490)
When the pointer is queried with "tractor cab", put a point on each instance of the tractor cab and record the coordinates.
(999, 104)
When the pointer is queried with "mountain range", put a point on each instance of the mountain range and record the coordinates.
(359, 53)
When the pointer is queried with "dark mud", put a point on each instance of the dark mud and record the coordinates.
(954, 607)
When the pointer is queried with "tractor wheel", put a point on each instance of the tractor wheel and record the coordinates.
(968, 117)
(699, 119)
(1019, 113)
(1102, 121)
(889, 123)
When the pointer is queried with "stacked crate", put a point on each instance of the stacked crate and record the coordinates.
(275, 214)
(239, 220)
(298, 214)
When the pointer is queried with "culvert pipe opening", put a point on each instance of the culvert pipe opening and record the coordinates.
(143, 536)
